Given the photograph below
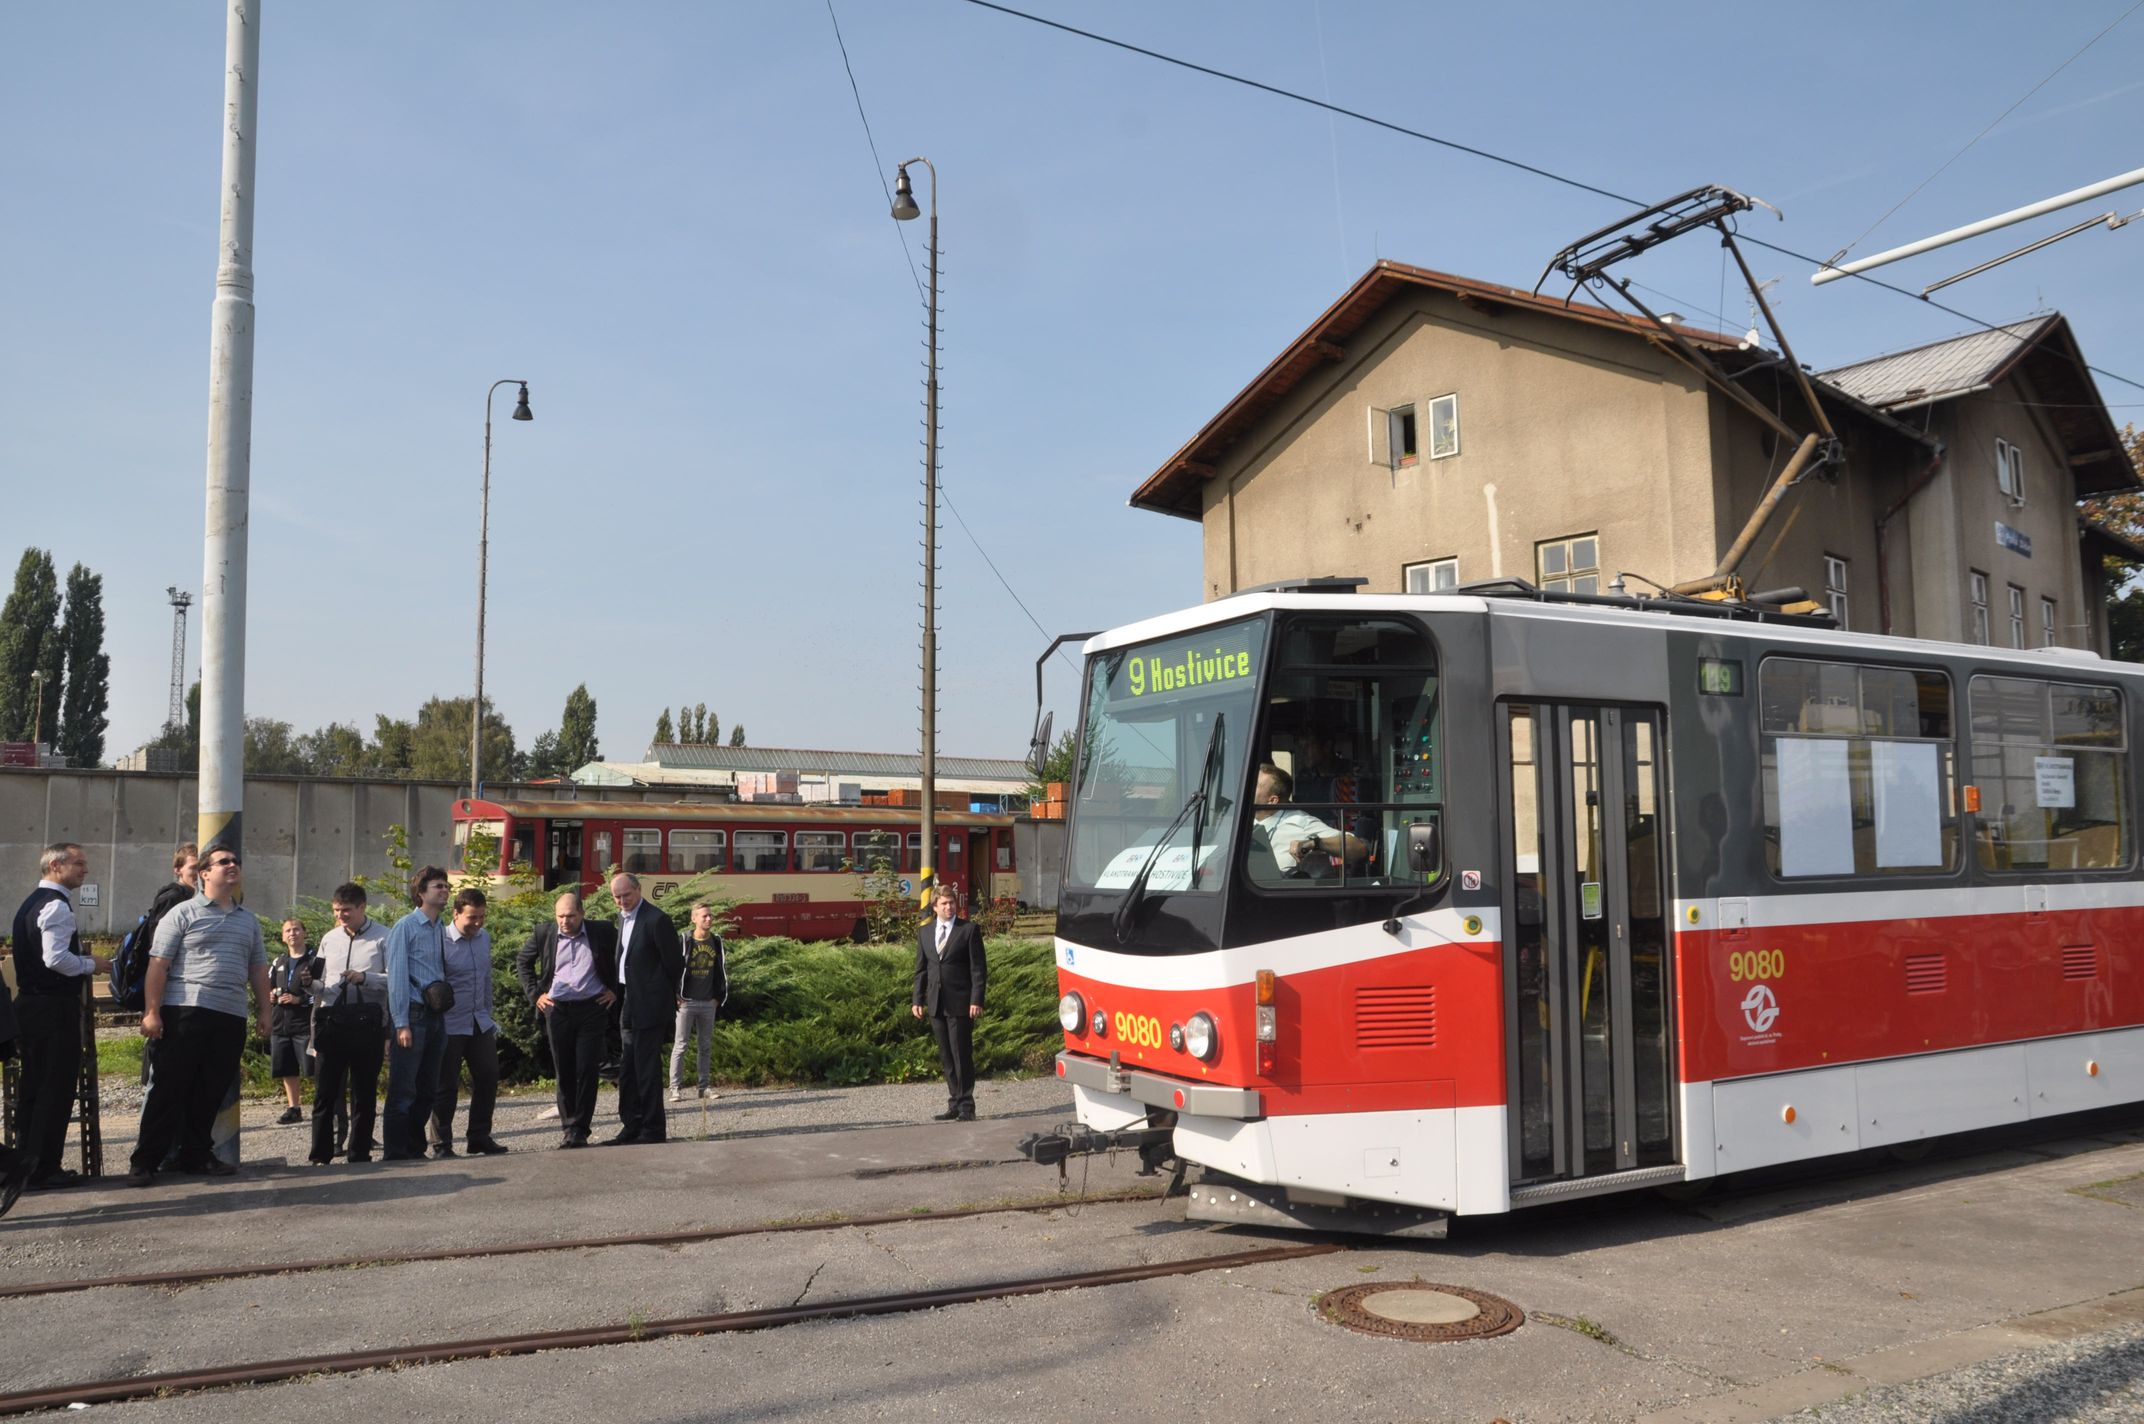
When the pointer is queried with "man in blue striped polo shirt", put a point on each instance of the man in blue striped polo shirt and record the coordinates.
(416, 959)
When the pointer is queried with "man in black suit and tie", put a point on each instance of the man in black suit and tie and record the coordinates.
(570, 970)
(651, 966)
(949, 990)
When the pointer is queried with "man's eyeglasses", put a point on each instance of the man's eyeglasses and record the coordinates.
(220, 864)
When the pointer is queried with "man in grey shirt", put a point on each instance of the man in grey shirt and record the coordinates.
(207, 952)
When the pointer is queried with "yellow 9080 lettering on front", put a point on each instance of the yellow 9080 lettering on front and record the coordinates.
(1139, 1030)
(1757, 964)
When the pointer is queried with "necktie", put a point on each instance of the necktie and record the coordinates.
(944, 929)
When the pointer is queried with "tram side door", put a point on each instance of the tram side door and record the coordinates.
(562, 857)
(1587, 971)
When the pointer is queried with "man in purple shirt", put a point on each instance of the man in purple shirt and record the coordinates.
(570, 970)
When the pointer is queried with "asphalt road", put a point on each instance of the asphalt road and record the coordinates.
(2001, 1280)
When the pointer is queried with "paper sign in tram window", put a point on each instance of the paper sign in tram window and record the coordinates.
(1909, 818)
(1816, 813)
(2054, 782)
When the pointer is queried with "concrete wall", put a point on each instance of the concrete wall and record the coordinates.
(303, 835)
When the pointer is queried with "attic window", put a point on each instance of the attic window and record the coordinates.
(1400, 436)
(2010, 471)
(1443, 427)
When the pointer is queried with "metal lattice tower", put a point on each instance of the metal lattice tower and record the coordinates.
(180, 602)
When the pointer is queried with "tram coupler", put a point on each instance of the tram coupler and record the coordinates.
(1155, 1145)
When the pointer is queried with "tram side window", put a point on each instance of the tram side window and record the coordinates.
(762, 850)
(1349, 743)
(819, 850)
(2051, 760)
(1860, 769)
(875, 850)
(643, 851)
(694, 851)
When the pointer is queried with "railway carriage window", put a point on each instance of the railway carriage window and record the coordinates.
(915, 851)
(1859, 769)
(2051, 760)
(1350, 735)
(762, 850)
(874, 850)
(819, 850)
(523, 848)
(694, 851)
(643, 851)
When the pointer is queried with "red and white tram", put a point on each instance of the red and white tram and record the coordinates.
(1538, 897)
(791, 867)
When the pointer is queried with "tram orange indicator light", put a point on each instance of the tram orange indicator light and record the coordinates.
(2091, 1069)
(1265, 986)
(1787, 1114)
(1972, 799)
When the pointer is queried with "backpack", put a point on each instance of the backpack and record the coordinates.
(130, 966)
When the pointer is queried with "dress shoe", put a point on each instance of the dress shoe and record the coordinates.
(966, 1115)
(443, 1149)
(623, 1139)
(54, 1181)
(11, 1185)
(217, 1167)
(573, 1139)
(488, 1148)
(319, 1161)
(141, 1177)
(356, 1157)
(290, 1115)
(949, 1115)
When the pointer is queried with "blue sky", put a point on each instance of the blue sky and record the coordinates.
(666, 217)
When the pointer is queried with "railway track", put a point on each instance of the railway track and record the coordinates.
(153, 1386)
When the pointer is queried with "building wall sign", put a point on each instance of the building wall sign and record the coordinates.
(2010, 539)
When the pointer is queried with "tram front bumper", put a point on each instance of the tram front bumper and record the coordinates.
(1157, 1090)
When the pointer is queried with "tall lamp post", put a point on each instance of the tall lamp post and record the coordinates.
(37, 718)
(483, 554)
(904, 209)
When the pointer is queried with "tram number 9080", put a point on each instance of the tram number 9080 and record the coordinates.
(1140, 1030)
(1757, 964)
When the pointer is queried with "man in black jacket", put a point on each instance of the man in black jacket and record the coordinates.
(651, 962)
(52, 976)
(949, 991)
(570, 970)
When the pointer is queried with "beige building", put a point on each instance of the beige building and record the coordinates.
(1429, 431)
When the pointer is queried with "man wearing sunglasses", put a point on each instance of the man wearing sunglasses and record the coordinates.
(207, 952)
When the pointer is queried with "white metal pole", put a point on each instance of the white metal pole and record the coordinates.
(1959, 234)
(230, 450)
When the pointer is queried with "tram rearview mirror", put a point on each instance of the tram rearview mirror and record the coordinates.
(1425, 856)
(1038, 751)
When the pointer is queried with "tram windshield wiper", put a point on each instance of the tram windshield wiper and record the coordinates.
(1125, 920)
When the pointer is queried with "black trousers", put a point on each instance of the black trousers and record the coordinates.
(640, 1082)
(956, 1055)
(481, 1052)
(51, 1049)
(196, 1063)
(347, 1080)
(577, 1030)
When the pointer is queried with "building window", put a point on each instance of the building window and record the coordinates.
(1835, 587)
(1436, 576)
(2047, 623)
(1978, 583)
(2017, 616)
(1443, 427)
(2010, 471)
(1400, 436)
(694, 851)
(1569, 565)
(762, 850)
(819, 850)
(643, 851)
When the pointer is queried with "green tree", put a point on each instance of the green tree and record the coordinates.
(271, 749)
(1057, 766)
(184, 742)
(577, 730)
(544, 759)
(83, 715)
(392, 739)
(737, 735)
(29, 643)
(2123, 514)
(439, 743)
(665, 734)
(334, 750)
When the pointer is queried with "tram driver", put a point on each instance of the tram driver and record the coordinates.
(1301, 845)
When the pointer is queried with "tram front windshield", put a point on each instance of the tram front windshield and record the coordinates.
(1165, 721)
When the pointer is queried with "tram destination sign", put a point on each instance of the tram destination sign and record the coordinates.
(1215, 660)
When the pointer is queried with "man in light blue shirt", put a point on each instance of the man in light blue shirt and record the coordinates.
(472, 1034)
(416, 959)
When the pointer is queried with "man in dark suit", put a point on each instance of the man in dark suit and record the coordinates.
(949, 991)
(651, 965)
(570, 970)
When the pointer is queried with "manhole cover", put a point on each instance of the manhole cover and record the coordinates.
(1420, 1310)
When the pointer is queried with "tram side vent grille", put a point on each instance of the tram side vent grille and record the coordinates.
(1404, 1017)
(1926, 974)
(2080, 961)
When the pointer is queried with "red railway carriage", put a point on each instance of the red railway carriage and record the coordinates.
(792, 868)
(1381, 908)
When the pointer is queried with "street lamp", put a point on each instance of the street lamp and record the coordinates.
(37, 718)
(483, 554)
(904, 208)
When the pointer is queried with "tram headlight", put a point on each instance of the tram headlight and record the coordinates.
(1071, 1012)
(1201, 1038)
